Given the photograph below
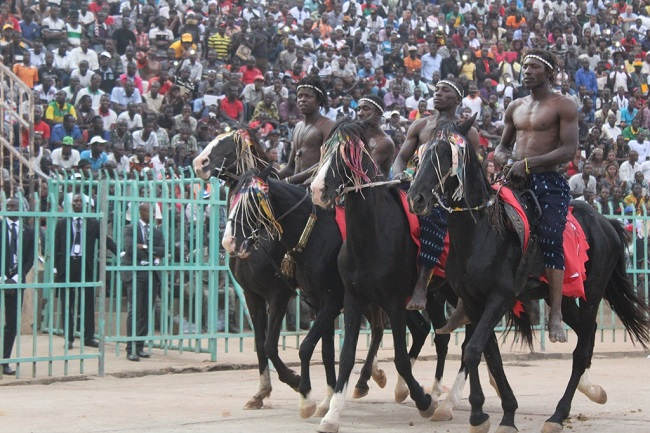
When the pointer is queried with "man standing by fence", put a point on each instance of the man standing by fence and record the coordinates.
(143, 245)
(18, 251)
(75, 260)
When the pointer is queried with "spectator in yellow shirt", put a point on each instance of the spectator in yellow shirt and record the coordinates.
(183, 45)
(58, 108)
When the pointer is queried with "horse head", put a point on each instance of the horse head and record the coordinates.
(345, 162)
(251, 217)
(229, 156)
(441, 166)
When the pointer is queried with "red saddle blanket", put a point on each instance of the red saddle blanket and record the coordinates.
(414, 226)
(575, 247)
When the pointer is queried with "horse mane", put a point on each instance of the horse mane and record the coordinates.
(251, 205)
(249, 150)
(348, 142)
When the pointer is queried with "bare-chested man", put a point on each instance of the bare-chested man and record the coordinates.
(382, 148)
(545, 127)
(309, 135)
(433, 227)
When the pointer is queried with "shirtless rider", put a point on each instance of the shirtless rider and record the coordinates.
(310, 134)
(433, 227)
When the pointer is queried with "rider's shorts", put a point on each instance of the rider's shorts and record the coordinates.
(552, 192)
(433, 229)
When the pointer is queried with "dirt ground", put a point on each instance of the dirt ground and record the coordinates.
(213, 401)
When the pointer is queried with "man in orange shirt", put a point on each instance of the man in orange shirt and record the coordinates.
(412, 63)
(514, 21)
(23, 68)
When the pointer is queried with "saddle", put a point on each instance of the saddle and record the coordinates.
(523, 214)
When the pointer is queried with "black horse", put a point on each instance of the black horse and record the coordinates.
(485, 266)
(378, 260)
(228, 157)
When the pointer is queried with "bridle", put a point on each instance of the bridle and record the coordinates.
(459, 155)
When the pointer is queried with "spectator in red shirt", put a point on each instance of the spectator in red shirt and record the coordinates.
(96, 6)
(231, 109)
(40, 127)
(249, 71)
(7, 18)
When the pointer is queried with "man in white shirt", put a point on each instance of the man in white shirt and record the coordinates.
(65, 157)
(82, 52)
(630, 167)
(299, 12)
(641, 145)
(580, 181)
(413, 101)
(431, 63)
(610, 130)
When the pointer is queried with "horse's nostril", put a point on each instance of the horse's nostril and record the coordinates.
(418, 198)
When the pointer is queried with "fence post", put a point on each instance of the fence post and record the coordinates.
(103, 232)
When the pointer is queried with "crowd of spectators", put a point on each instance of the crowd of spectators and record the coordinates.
(139, 85)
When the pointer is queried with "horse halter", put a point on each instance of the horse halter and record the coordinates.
(244, 159)
(458, 145)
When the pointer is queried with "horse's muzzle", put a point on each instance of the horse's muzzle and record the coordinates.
(417, 204)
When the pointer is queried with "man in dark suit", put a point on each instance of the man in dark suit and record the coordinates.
(147, 243)
(76, 241)
(18, 250)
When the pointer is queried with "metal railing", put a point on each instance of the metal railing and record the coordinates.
(195, 305)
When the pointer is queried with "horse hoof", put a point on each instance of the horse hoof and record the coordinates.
(380, 378)
(443, 413)
(506, 429)
(428, 413)
(307, 409)
(328, 427)
(401, 395)
(552, 427)
(481, 428)
(254, 404)
(360, 392)
(595, 393)
(321, 411)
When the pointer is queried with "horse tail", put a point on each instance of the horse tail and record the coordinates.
(522, 327)
(621, 295)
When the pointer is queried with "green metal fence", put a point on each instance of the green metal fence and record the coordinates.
(195, 304)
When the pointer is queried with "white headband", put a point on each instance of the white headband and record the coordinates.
(373, 103)
(536, 57)
(309, 86)
(455, 87)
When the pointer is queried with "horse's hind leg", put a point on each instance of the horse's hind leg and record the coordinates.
(352, 318)
(257, 308)
(420, 329)
(425, 404)
(445, 412)
(323, 329)
(277, 310)
(436, 310)
(583, 321)
(370, 367)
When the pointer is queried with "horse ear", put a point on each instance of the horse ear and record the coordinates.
(465, 126)
(264, 174)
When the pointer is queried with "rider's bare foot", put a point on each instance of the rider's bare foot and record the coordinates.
(457, 319)
(418, 301)
(555, 329)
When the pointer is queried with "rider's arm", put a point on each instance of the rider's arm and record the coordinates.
(408, 149)
(503, 152)
(290, 168)
(384, 151)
